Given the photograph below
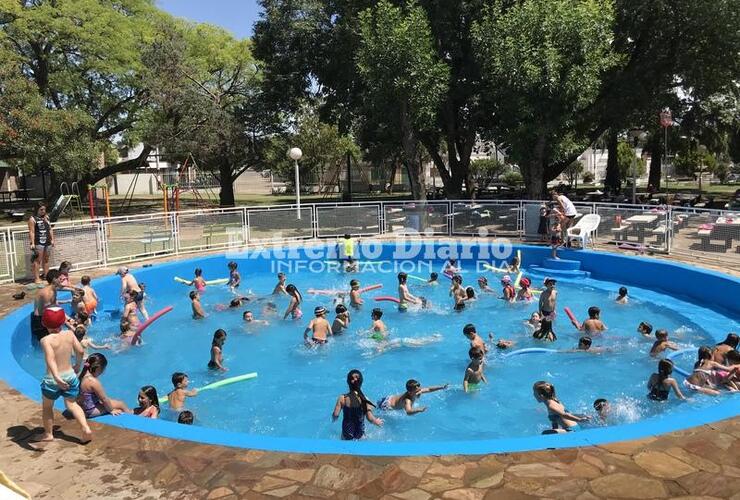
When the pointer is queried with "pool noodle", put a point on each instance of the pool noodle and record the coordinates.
(540, 350)
(181, 280)
(416, 278)
(674, 354)
(148, 322)
(494, 269)
(371, 287)
(519, 256)
(220, 281)
(572, 317)
(387, 299)
(221, 383)
(517, 280)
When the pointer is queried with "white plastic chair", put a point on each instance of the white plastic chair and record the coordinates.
(584, 229)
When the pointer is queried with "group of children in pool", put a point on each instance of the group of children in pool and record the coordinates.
(85, 397)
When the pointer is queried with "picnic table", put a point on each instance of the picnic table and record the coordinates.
(725, 228)
(641, 223)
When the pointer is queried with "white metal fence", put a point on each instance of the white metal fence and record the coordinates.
(708, 235)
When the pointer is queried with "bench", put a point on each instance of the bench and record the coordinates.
(660, 233)
(232, 233)
(153, 236)
(620, 232)
(704, 235)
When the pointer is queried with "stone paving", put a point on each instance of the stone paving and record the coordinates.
(702, 462)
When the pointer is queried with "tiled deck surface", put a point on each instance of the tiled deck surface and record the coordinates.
(702, 462)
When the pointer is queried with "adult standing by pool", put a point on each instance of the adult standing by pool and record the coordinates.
(568, 209)
(41, 237)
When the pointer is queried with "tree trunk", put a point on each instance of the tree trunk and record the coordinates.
(410, 146)
(226, 181)
(97, 175)
(392, 177)
(613, 181)
(534, 171)
(656, 161)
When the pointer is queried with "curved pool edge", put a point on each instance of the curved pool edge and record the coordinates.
(17, 378)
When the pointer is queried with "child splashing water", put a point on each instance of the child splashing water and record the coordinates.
(148, 402)
(561, 419)
(92, 399)
(355, 408)
(406, 401)
(294, 307)
(217, 355)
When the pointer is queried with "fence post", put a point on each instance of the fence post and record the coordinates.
(103, 241)
(174, 219)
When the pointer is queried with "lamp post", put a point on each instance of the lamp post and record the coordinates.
(666, 120)
(296, 154)
(637, 136)
(702, 150)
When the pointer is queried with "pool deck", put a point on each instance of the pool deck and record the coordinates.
(701, 462)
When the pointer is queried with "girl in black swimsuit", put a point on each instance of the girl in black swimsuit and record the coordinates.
(661, 383)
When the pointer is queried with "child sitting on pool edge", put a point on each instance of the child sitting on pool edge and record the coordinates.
(561, 419)
(474, 372)
(92, 398)
(406, 401)
(176, 397)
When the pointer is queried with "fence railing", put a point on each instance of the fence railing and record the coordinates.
(709, 235)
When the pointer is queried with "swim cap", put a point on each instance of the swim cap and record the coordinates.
(319, 310)
(506, 279)
(53, 318)
(525, 282)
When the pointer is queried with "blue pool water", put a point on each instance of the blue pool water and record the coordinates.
(297, 387)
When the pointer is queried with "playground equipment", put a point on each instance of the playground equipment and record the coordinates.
(68, 202)
(98, 200)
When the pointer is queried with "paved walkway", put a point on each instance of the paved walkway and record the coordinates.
(703, 462)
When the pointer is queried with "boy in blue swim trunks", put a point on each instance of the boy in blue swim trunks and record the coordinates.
(406, 400)
(61, 377)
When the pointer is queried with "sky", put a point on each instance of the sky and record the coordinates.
(237, 16)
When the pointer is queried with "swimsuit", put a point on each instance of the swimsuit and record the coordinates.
(548, 315)
(402, 307)
(212, 365)
(318, 341)
(353, 418)
(474, 386)
(385, 403)
(459, 306)
(38, 330)
(558, 422)
(89, 403)
(41, 233)
(51, 390)
(658, 392)
(296, 313)
(200, 286)
(149, 412)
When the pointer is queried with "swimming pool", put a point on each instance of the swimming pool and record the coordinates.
(288, 406)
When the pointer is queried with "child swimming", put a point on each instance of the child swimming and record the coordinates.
(450, 267)
(708, 375)
(560, 419)
(548, 300)
(129, 315)
(545, 331)
(474, 372)
(603, 409)
(433, 279)
(217, 355)
(294, 306)
(525, 292)
(341, 321)
(280, 286)
(235, 278)
(355, 408)
(318, 327)
(249, 318)
(406, 401)
(92, 398)
(86, 342)
(508, 291)
(404, 296)
(198, 281)
(720, 350)
(186, 417)
(662, 343)
(378, 329)
(176, 397)
(148, 402)
(354, 294)
(622, 297)
(661, 383)
(593, 324)
(513, 266)
(534, 321)
(483, 285)
(645, 329)
(197, 308)
(458, 293)
(89, 297)
(476, 341)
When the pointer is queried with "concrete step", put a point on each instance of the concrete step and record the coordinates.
(562, 264)
(558, 273)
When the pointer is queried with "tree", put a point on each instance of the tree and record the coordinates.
(205, 101)
(398, 65)
(629, 164)
(71, 80)
(588, 178)
(486, 170)
(324, 149)
(544, 61)
(573, 171)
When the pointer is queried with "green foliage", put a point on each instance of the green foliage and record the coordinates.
(628, 161)
(512, 178)
(486, 170)
(588, 177)
(71, 79)
(544, 61)
(322, 145)
(573, 171)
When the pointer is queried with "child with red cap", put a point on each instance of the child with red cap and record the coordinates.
(61, 377)
(524, 293)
